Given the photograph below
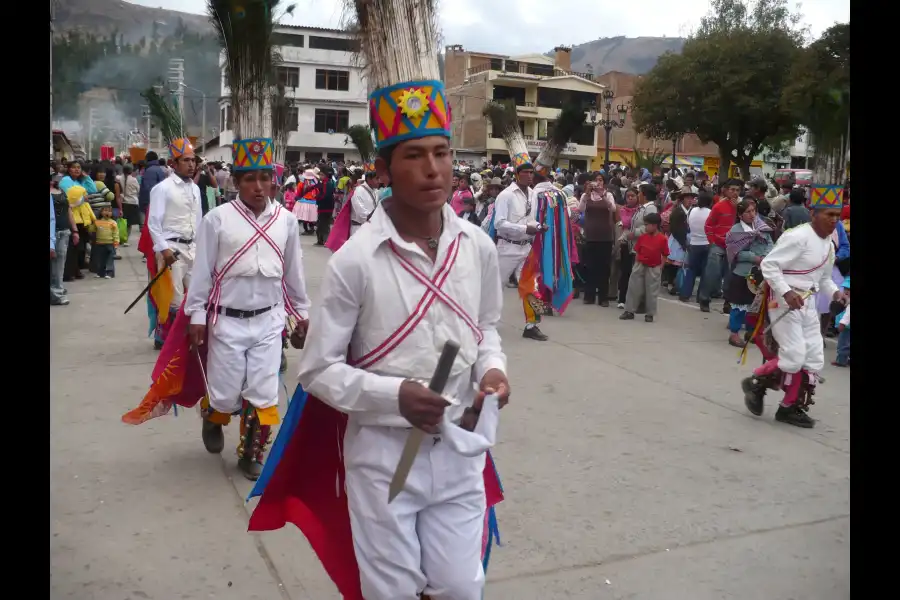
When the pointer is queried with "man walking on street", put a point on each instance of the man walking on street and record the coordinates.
(720, 221)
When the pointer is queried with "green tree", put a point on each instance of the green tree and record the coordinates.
(819, 90)
(726, 86)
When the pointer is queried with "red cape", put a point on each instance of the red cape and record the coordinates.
(300, 489)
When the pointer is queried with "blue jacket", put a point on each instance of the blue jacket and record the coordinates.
(843, 250)
(152, 175)
(86, 182)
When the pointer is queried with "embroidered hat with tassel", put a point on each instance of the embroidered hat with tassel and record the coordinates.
(399, 45)
(570, 119)
(505, 121)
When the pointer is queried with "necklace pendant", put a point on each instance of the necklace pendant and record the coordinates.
(432, 243)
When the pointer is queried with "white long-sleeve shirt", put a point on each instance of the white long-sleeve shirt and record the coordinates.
(800, 250)
(362, 203)
(248, 292)
(510, 217)
(367, 296)
(182, 199)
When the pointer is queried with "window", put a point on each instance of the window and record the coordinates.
(225, 120)
(293, 119)
(512, 66)
(533, 69)
(330, 43)
(496, 64)
(503, 92)
(555, 98)
(584, 136)
(287, 39)
(335, 156)
(332, 80)
(313, 157)
(289, 77)
(332, 121)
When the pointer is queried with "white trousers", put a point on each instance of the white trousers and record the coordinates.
(799, 338)
(429, 538)
(242, 360)
(181, 270)
(511, 258)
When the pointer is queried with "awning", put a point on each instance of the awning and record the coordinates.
(684, 161)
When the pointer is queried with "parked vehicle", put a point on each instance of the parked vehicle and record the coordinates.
(801, 177)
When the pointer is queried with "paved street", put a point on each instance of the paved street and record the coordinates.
(632, 469)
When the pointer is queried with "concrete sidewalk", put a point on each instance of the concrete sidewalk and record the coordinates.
(631, 470)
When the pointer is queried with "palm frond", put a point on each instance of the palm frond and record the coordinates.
(166, 114)
(398, 39)
(280, 113)
(361, 137)
(244, 29)
(570, 119)
(505, 121)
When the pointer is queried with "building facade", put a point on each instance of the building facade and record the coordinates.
(540, 85)
(326, 86)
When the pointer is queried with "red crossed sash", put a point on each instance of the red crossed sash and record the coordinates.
(808, 271)
(433, 291)
(218, 276)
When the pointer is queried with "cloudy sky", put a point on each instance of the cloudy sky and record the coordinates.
(538, 25)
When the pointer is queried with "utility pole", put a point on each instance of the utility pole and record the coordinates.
(176, 84)
(145, 112)
(92, 116)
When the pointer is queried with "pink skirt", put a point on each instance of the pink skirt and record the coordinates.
(305, 210)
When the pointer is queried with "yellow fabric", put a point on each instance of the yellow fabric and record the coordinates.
(268, 416)
(162, 293)
(342, 183)
(81, 210)
(213, 417)
(107, 232)
(531, 315)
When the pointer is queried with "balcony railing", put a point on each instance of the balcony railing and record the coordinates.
(522, 69)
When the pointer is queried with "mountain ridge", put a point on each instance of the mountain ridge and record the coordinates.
(619, 53)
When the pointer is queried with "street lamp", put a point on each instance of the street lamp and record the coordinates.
(609, 123)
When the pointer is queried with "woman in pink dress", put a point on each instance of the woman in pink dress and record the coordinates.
(305, 203)
(462, 192)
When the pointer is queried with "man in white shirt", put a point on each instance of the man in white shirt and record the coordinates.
(798, 266)
(173, 220)
(363, 201)
(248, 276)
(698, 245)
(516, 225)
(414, 278)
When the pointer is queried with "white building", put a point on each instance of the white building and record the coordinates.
(321, 75)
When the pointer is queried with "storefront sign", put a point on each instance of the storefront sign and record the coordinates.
(538, 145)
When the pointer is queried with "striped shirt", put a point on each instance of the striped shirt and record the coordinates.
(107, 232)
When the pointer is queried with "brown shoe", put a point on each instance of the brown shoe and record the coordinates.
(213, 437)
(735, 340)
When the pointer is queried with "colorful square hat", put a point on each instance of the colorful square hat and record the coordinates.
(180, 147)
(826, 196)
(409, 110)
(252, 154)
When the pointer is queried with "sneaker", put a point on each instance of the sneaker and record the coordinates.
(794, 416)
(511, 284)
(98, 276)
(533, 333)
(684, 299)
(125, 245)
(604, 304)
(626, 316)
(648, 318)
(107, 277)
(834, 363)
(704, 307)
(65, 301)
(620, 306)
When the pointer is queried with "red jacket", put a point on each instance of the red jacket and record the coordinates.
(721, 219)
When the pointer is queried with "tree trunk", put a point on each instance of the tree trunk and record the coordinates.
(744, 165)
(724, 165)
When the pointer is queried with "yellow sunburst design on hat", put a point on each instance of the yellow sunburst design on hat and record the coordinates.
(413, 103)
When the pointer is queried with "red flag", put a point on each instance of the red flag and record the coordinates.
(177, 378)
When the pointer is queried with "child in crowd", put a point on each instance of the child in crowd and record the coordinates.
(843, 324)
(106, 240)
(651, 250)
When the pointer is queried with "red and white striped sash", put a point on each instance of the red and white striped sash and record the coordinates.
(433, 292)
(218, 276)
(808, 271)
